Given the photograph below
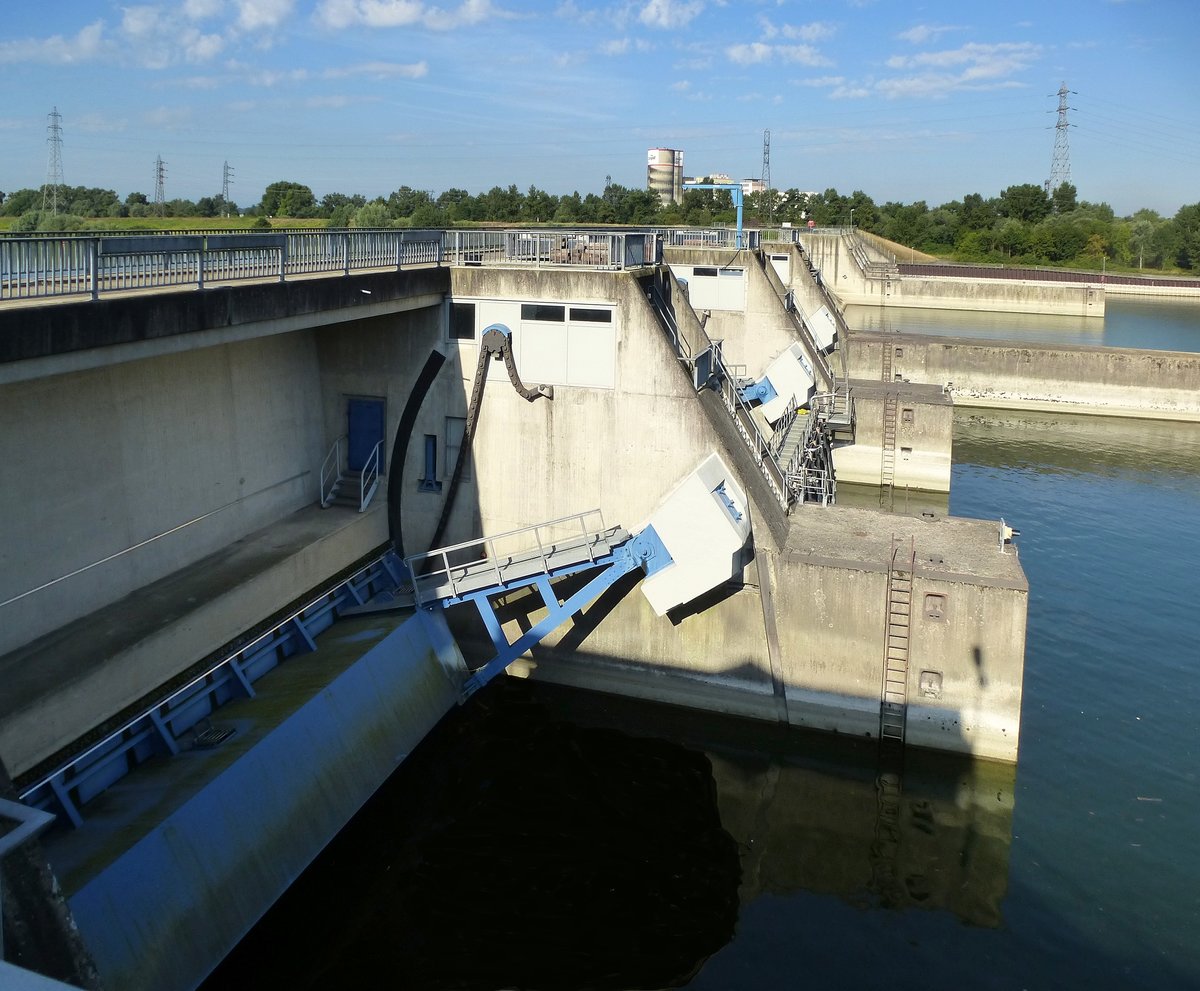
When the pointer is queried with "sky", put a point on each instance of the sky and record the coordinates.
(905, 101)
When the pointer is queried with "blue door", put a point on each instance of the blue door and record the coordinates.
(365, 419)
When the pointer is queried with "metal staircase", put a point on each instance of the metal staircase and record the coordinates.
(893, 707)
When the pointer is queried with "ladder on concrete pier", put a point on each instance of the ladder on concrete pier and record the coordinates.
(887, 466)
(893, 708)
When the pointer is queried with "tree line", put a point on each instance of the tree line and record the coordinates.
(1024, 224)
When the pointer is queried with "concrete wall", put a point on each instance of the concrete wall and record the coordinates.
(924, 430)
(833, 583)
(621, 450)
(829, 252)
(101, 465)
(1073, 378)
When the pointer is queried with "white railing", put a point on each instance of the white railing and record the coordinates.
(459, 567)
(46, 267)
(331, 472)
(368, 479)
(552, 248)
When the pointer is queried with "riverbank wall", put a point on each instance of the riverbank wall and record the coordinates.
(1012, 375)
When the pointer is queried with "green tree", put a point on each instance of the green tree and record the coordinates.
(288, 199)
(1027, 202)
(1063, 198)
(1187, 224)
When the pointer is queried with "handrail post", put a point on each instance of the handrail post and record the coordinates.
(346, 253)
(283, 258)
(94, 264)
(200, 263)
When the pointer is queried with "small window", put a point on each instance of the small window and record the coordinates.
(543, 311)
(429, 481)
(462, 321)
(591, 316)
(907, 416)
(704, 271)
(899, 352)
(735, 272)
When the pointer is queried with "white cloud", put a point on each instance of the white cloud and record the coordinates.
(750, 54)
(813, 31)
(402, 13)
(682, 86)
(822, 82)
(670, 14)
(155, 38)
(921, 33)
(758, 52)
(991, 60)
(618, 46)
(200, 10)
(254, 15)
(380, 70)
(87, 44)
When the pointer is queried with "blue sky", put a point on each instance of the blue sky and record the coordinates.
(906, 101)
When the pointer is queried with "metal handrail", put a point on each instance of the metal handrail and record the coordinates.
(537, 534)
(368, 479)
(331, 470)
(737, 409)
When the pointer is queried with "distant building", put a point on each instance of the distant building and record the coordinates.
(753, 186)
(664, 174)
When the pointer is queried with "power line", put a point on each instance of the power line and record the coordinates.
(766, 174)
(1060, 165)
(54, 167)
(226, 181)
(160, 175)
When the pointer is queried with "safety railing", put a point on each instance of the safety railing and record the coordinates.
(462, 567)
(331, 471)
(51, 267)
(717, 374)
(368, 479)
(26, 823)
(163, 726)
(557, 248)
(716, 237)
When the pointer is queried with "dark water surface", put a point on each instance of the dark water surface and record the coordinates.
(1160, 325)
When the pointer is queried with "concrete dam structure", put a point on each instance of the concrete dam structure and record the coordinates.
(212, 489)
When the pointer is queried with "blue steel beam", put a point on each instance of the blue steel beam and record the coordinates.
(644, 551)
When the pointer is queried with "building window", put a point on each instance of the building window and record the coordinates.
(543, 311)
(591, 315)
(456, 427)
(705, 271)
(462, 321)
(429, 480)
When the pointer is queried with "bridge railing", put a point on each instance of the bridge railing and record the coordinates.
(51, 267)
(552, 248)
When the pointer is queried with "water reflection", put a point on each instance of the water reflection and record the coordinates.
(548, 838)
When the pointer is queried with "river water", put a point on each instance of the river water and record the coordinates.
(543, 838)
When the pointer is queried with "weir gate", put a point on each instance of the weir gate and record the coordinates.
(222, 626)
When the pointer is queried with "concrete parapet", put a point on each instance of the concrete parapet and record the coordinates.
(1070, 378)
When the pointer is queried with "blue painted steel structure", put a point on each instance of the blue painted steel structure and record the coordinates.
(159, 728)
(644, 551)
(735, 191)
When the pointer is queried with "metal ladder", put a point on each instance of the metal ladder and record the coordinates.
(893, 706)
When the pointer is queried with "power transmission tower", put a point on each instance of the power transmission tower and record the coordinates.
(226, 182)
(1060, 166)
(160, 175)
(766, 174)
(54, 167)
